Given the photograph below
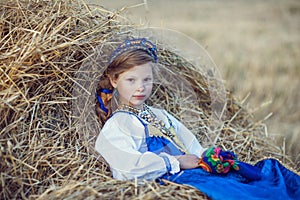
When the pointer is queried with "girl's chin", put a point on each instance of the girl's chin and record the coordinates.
(137, 104)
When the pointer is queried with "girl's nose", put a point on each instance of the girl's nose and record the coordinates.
(141, 87)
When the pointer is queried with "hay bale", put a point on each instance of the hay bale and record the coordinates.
(42, 153)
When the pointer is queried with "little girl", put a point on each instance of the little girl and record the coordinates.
(143, 142)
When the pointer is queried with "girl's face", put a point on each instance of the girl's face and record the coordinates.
(135, 85)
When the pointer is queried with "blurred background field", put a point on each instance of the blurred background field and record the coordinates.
(255, 44)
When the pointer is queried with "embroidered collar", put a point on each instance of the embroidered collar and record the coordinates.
(148, 116)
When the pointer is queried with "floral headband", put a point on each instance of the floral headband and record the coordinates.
(136, 43)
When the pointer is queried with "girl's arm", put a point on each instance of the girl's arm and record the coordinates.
(122, 144)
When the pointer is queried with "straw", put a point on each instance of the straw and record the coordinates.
(42, 153)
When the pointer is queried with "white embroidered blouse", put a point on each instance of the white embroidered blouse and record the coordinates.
(122, 143)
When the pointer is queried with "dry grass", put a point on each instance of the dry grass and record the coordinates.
(43, 152)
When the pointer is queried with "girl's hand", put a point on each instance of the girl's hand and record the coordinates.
(188, 161)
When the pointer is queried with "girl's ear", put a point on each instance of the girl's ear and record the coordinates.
(113, 81)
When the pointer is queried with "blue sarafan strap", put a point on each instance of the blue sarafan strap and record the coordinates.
(105, 91)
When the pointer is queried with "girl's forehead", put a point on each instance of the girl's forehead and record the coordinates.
(140, 69)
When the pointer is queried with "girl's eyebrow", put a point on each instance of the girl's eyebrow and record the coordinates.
(131, 75)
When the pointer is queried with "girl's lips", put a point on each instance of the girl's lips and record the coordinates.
(139, 96)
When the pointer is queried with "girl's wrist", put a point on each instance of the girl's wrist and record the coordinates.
(172, 163)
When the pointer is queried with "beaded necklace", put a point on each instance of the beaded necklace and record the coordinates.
(147, 115)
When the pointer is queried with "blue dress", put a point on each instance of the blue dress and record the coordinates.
(277, 182)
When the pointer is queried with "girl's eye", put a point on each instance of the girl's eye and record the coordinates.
(148, 79)
(130, 80)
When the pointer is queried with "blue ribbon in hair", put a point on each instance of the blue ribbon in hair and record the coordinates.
(105, 91)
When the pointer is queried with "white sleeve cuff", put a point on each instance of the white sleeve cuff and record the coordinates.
(172, 164)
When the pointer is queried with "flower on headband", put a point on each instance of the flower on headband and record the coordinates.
(136, 43)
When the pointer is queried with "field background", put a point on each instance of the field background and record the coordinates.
(255, 44)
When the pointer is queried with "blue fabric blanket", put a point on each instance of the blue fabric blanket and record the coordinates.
(275, 181)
